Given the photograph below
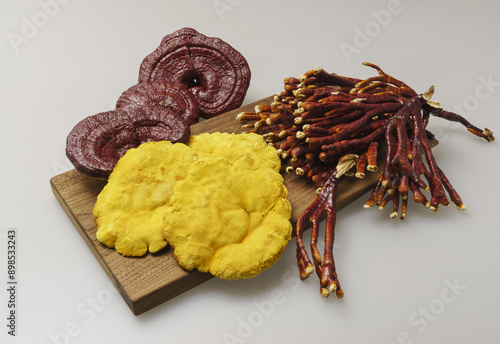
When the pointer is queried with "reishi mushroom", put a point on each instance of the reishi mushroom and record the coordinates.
(189, 75)
(216, 73)
(172, 95)
(97, 142)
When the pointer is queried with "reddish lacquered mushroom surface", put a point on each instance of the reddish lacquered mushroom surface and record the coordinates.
(216, 73)
(96, 143)
(172, 95)
(325, 125)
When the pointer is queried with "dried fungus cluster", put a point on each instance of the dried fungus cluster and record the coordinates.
(329, 125)
(188, 76)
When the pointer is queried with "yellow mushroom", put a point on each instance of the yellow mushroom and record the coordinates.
(237, 223)
(128, 213)
(219, 201)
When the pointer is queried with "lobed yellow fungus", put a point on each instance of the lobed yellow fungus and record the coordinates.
(128, 213)
(219, 201)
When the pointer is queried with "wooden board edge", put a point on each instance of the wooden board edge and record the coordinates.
(145, 302)
(162, 295)
(88, 240)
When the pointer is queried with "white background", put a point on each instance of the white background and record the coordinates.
(62, 61)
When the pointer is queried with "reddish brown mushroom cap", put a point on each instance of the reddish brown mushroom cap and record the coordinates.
(172, 95)
(216, 73)
(96, 143)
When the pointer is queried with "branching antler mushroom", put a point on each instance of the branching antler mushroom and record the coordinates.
(325, 123)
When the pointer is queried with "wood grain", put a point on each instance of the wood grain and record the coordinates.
(153, 279)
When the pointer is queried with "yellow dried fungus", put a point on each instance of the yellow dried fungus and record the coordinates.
(219, 201)
(129, 210)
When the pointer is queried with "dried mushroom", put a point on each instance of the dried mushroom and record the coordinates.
(172, 95)
(237, 224)
(216, 73)
(326, 124)
(219, 201)
(128, 213)
(96, 143)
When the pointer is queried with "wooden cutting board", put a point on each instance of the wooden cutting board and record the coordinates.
(149, 281)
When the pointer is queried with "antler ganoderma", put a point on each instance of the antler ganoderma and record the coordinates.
(324, 123)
